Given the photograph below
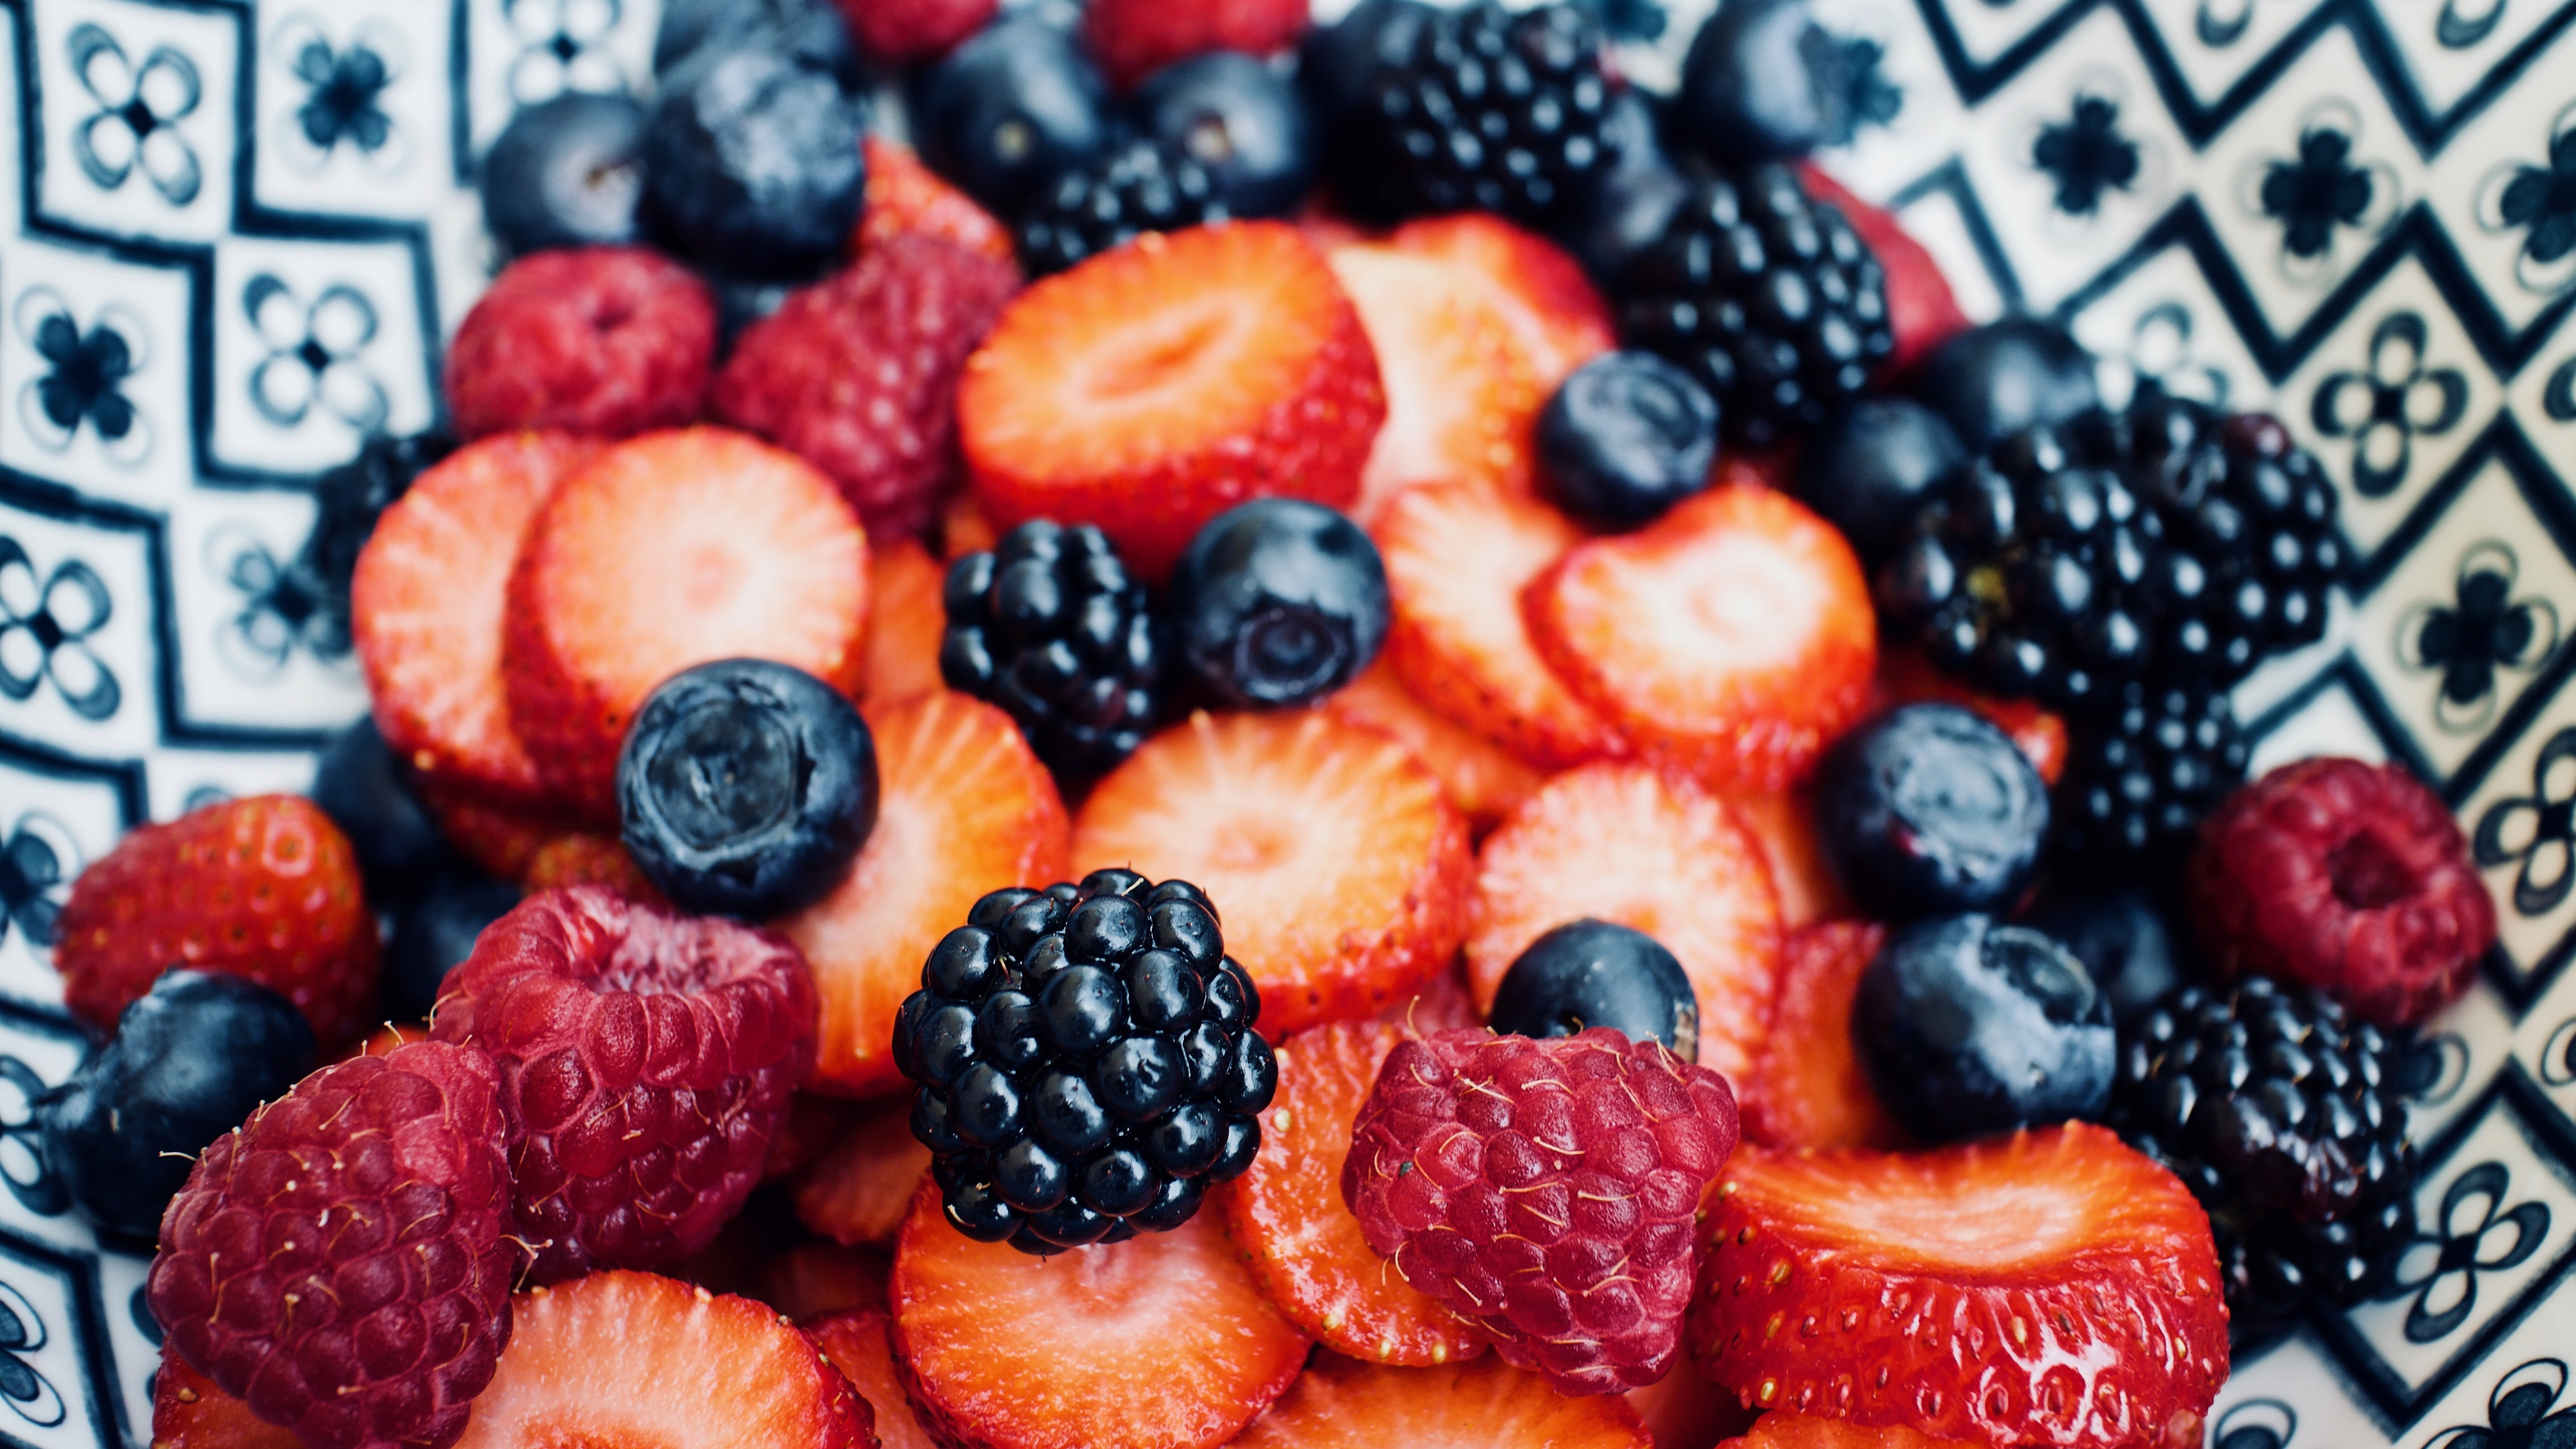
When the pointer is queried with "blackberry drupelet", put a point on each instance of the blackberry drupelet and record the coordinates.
(349, 499)
(2285, 1118)
(1140, 187)
(1051, 627)
(1765, 295)
(1085, 1062)
(2139, 779)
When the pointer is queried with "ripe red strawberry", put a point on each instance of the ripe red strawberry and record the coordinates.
(1785, 823)
(1734, 635)
(2348, 877)
(189, 1412)
(501, 836)
(1484, 780)
(1457, 559)
(1135, 38)
(634, 1358)
(858, 374)
(1807, 1089)
(610, 341)
(646, 1059)
(1545, 1190)
(906, 196)
(1540, 292)
(1153, 387)
(425, 606)
(671, 550)
(2048, 1288)
(1288, 1217)
(901, 32)
(339, 1261)
(1906, 677)
(905, 621)
(1160, 1342)
(264, 887)
(580, 857)
(1920, 309)
(1462, 391)
(861, 1185)
(963, 808)
(860, 1343)
(1338, 868)
(1646, 849)
(1341, 1404)
(1805, 1431)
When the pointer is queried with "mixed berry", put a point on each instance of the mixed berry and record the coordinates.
(1313, 736)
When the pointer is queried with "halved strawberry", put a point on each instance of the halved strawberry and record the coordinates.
(1647, 849)
(816, 1277)
(427, 601)
(859, 1188)
(1153, 387)
(963, 529)
(1160, 1342)
(1806, 1431)
(860, 1343)
(1539, 290)
(1905, 677)
(1462, 394)
(669, 550)
(1458, 556)
(1785, 823)
(500, 836)
(636, 1358)
(1807, 1088)
(1483, 779)
(1487, 1404)
(963, 808)
(1920, 308)
(1338, 868)
(190, 1412)
(2053, 1287)
(1288, 1216)
(1734, 635)
(905, 621)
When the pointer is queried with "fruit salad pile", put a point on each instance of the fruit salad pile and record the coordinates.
(1292, 737)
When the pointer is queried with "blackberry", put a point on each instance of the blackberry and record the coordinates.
(2286, 1120)
(1085, 1062)
(1768, 297)
(1140, 187)
(2139, 779)
(1051, 627)
(348, 500)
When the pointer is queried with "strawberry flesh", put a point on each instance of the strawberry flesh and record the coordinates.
(1487, 1404)
(1807, 1089)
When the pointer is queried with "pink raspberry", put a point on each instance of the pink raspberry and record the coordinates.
(339, 1262)
(646, 1059)
(1546, 1191)
(610, 341)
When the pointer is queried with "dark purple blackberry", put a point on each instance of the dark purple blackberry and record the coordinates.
(1140, 187)
(1765, 295)
(2286, 1120)
(1051, 627)
(1084, 1061)
(348, 501)
(2140, 777)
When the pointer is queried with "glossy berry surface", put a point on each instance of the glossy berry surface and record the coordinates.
(1240, 118)
(1279, 601)
(188, 1062)
(2128, 939)
(811, 32)
(1930, 810)
(1877, 462)
(1625, 438)
(1626, 208)
(2014, 373)
(1763, 81)
(1051, 627)
(2140, 779)
(752, 163)
(1591, 973)
(566, 172)
(433, 934)
(368, 792)
(1009, 111)
(745, 787)
(1084, 1062)
(1968, 1027)
(1115, 197)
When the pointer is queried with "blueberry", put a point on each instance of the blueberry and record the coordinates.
(1239, 118)
(746, 787)
(752, 163)
(367, 791)
(1279, 601)
(1996, 380)
(2125, 938)
(1625, 438)
(1592, 973)
(1930, 809)
(1626, 210)
(566, 172)
(810, 31)
(1336, 59)
(434, 933)
(1763, 82)
(1010, 110)
(189, 1061)
(1872, 467)
(1967, 1028)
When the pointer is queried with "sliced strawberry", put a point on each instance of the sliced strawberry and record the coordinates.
(583, 857)
(2053, 1287)
(1462, 394)
(1338, 868)
(1541, 292)
(1734, 635)
(1906, 677)
(1686, 1411)
(963, 529)
(427, 601)
(1483, 779)
(817, 1277)
(636, 1359)
(963, 808)
(858, 1189)
(1443, 1003)
(905, 621)
(1288, 1216)
(1805, 1431)
(190, 1412)
(1807, 1088)
(860, 1343)
(1785, 823)
(1920, 308)
(1457, 558)
(670, 550)
(1160, 1342)
(1487, 1404)
(1650, 850)
(813, 1124)
(1157, 385)
(500, 836)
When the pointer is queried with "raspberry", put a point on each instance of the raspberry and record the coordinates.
(904, 31)
(2350, 878)
(646, 1060)
(1135, 38)
(1546, 1191)
(859, 373)
(379, 1325)
(604, 340)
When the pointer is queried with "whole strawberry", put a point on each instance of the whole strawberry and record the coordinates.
(1545, 1190)
(265, 887)
(339, 1262)
(646, 1059)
